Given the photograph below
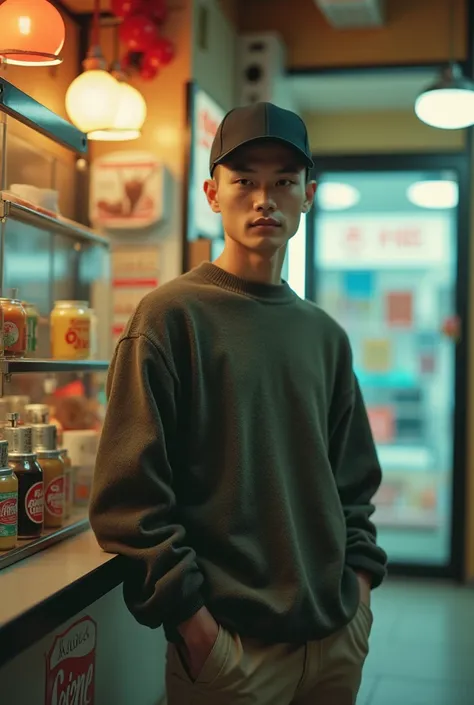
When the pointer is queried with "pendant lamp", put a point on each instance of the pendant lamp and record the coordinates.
(92, 99)
(32, 33)
(131, 111)
(449, 102)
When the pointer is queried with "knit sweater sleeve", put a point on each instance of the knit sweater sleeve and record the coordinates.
(133, 503)
(358, 476)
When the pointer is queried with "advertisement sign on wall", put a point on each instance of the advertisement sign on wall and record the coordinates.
(128, 191)
(206, 115)
(70, 665)
(383, 241)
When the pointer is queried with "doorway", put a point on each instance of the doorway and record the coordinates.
(387, 257)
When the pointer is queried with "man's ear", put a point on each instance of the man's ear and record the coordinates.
(210, 189)
(309, 199)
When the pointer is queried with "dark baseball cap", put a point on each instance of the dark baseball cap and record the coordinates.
(257, 122)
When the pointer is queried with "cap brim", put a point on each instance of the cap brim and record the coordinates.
(307, 161)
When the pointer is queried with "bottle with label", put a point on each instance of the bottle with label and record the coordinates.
(44, 445)
(40, 414)
(70, 330)
(8, 502)
(14, 326)
(24, 464)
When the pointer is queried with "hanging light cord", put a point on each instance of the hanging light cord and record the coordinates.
(96, 24)
(452, 29)
(116, 45)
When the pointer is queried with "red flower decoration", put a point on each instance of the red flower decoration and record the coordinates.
(148, 73)
(160, 54)
(124, 8)
(157, 10)
(138, 33)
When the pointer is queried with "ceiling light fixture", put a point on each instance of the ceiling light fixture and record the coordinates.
(449, 102)
(93, 97)
(440, 194)
(32, 33)
(131, 111)
(333, 196)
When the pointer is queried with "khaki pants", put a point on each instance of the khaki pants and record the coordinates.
(243, 672)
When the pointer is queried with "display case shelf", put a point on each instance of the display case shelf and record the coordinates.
(23, 365)
(77, 523)
(39, 218)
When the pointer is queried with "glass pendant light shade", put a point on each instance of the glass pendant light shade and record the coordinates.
(129, 117)
(449, 103)
(32, 33)
(92, 100)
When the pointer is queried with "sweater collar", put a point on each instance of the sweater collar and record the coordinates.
(269, 293)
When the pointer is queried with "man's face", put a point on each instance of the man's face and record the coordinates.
(261, 193)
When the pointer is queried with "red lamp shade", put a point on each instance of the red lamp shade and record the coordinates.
(32, 33)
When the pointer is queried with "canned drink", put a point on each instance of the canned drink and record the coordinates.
(70, 330)
(14, 327)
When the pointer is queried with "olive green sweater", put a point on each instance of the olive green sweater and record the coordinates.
(236, 466)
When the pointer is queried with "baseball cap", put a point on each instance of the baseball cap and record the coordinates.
(259, 121)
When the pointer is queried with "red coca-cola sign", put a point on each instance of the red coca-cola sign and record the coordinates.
(8, 511)
(70, 665)
(34, 503)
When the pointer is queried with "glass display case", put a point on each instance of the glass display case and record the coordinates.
(46, 256)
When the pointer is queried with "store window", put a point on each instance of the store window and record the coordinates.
(385, 255)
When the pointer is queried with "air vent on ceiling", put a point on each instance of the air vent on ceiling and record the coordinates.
(353, 14)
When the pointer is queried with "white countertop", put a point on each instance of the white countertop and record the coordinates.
(33, 580)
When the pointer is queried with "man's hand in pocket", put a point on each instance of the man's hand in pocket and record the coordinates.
(199, 635)
(365, 587)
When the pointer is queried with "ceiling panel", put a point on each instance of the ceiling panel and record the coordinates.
(365, 91)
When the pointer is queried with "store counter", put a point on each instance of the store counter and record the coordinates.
(65, 632)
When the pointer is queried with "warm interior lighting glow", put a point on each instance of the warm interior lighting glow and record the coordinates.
(449, 103)
(32, 33)
(92, 100)
(434, 194)
(129, 118)
(333, 196)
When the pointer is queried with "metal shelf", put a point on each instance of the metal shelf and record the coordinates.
(8, 366)
(36, 218)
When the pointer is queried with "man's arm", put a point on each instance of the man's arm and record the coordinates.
(358, 476)
(133, 502)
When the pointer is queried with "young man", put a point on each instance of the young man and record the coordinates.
(236, 466)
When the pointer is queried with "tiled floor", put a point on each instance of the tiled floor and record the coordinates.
(422, 645)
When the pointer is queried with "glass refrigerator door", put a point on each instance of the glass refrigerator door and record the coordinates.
(386, 270)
